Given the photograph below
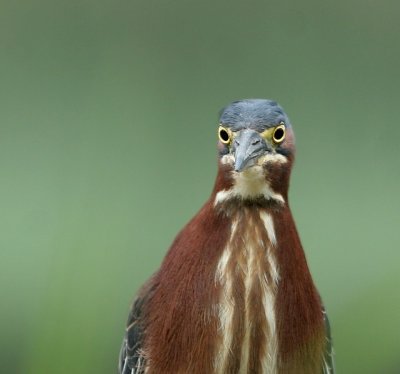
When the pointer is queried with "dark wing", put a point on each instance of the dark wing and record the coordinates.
(329, 363)
(131, 358)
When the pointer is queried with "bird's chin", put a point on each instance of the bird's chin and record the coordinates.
(251, 171)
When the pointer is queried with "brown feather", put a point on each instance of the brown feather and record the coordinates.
(182, 326)
(255, 307)
(298, 308)
(181, 332)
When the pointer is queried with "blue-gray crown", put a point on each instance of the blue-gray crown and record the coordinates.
(256, 114)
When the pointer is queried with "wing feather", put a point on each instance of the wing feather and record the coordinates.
(329, 363)
(131, 357)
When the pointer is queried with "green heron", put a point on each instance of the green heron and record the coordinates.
(234, 293)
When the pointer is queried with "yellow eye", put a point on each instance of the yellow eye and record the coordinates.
(279, 134)
(225, 135)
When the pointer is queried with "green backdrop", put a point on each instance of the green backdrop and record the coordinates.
(108, 115)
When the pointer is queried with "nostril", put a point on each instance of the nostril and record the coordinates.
(255, 142)
(236, 142)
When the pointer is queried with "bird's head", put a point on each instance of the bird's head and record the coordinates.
(256, 151)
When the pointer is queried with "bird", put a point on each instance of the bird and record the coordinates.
(234, 293)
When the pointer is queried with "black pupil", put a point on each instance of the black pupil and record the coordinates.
(224, 135)
(278, 135)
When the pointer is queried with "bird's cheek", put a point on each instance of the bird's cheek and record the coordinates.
(223, 149)
(227, 159)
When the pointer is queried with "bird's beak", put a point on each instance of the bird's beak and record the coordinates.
(248, 146)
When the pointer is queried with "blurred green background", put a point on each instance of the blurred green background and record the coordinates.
(108, 115)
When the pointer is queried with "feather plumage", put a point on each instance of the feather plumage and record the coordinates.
(234, 293)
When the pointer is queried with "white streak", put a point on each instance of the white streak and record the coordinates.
(227, 160)
(269, 226)
(226, 305)
(269, 362)
(273, 267)
(326, 369)
(273, 158)
(223, 195)
(270, 289)
(253, 271)
(222, 264)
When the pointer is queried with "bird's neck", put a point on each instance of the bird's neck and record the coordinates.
(248, 276)
(237, 295)
(267, 292)
(247, 271)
